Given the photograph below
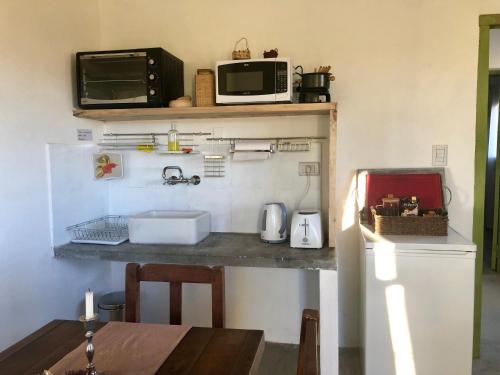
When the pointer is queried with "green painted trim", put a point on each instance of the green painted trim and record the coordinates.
(490, 20)
(496, 199)
(480, 159)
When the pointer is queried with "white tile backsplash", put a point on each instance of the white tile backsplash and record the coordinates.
(210, 200)
(234, 201)
(246, 205)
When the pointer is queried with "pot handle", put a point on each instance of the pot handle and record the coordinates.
(301, 70)
(238, 41)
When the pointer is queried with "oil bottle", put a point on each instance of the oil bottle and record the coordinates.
(173, 142)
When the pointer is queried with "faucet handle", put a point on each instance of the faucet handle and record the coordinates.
(172, 167)
(195, 180)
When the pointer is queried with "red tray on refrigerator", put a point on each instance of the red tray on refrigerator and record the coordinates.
(428, 187)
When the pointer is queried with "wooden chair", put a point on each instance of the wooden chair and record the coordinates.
(175, 275)
(308, 363)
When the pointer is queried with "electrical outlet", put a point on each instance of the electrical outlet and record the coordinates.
(439, 155)
(310, 168)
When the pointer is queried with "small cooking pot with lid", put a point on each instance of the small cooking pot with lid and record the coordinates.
(316, 81)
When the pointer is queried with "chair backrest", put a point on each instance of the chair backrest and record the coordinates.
(175, 275)
(308, 362)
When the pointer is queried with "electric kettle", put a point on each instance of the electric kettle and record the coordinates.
(274, 222)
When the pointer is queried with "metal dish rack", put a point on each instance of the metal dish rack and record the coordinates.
(106, 230)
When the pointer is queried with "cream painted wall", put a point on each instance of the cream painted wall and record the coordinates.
(406, 79)
(37, 40)
(495, 49)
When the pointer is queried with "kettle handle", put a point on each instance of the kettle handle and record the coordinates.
(283, 218)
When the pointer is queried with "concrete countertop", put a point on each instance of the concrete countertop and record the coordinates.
(218, 249)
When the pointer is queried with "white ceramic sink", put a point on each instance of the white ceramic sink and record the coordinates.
(169, 227)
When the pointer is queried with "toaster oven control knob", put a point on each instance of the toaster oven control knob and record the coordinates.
(151, 61)
(152, 92)
(152, 77)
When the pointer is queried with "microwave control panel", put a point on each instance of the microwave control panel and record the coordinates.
(281, 77)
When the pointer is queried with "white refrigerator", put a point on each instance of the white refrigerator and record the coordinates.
(417, 304)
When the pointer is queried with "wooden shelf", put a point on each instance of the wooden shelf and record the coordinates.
(258, 110)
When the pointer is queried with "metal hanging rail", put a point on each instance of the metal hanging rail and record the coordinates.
(146, 141)
(284, 144)
(232, 139)
(152, 134)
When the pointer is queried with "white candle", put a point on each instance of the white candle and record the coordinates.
(89, 304)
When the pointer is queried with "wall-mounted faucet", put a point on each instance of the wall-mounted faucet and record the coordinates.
(180, 179)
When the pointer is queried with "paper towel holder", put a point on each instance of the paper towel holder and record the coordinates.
(271, 150)
(276, 143)
(233, 140)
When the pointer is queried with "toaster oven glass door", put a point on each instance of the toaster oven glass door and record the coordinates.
(114, 78)
(247, 78)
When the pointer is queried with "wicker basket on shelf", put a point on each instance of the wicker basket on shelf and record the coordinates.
(410, 225)
(241, 54)
(205, 88)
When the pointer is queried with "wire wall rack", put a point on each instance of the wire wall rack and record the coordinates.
(214, 165)
(282, 144)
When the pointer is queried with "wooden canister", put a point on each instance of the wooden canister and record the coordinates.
(205, 88)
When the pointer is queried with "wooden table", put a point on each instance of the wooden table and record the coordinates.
(203, 351)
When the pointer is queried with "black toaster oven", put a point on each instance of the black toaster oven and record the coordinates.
(133, 78)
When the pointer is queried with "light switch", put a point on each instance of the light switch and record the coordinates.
(84, 134)
(439, 155)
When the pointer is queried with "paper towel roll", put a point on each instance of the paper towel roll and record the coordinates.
(251, 155)
(253, 146)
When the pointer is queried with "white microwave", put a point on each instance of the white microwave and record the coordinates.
(253, 81)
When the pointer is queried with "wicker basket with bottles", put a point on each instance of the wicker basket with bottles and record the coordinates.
(405, 217)
(435, 225)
